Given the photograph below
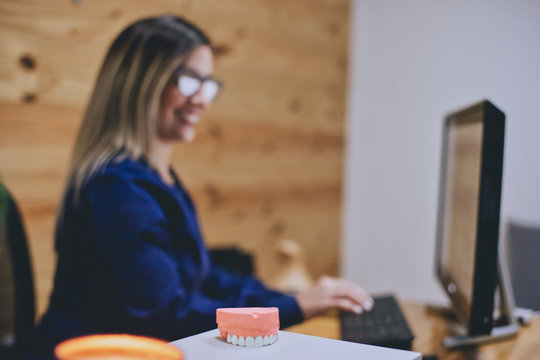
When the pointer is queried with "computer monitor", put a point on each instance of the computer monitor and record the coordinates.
(466, 260)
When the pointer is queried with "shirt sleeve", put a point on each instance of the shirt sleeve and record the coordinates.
(246, 291)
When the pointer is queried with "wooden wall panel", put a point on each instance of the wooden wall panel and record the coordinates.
(267, 161)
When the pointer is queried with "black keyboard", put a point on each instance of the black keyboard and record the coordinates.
(384, 325)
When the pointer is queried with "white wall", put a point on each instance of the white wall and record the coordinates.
(411, 62)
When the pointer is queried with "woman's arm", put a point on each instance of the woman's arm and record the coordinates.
(246, 291)
(142, 274)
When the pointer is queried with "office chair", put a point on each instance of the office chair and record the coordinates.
(232, 259)
(523, 259)
(17, 297)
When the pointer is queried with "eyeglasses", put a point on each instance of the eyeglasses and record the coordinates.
(189, 83)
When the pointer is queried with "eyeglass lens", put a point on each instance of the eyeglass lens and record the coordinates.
(188, 86)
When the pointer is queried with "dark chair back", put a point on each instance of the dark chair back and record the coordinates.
(17, 298)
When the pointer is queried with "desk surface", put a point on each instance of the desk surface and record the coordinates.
(429, 330)
(290, 346)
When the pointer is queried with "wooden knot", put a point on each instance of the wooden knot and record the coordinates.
(29, 98)
(27, 62)
(221, 50)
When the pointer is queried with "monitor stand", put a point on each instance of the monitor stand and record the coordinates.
(504, 312)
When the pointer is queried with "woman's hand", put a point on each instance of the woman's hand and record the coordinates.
(333, 293)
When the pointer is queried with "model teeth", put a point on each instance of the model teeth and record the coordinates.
(250, 341)
(258, 341)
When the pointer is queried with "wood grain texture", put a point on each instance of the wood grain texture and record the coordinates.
(267, 162)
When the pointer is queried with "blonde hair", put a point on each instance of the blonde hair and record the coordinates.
(121, 117)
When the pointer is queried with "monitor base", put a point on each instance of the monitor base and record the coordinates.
(507, 327)
(497, 333)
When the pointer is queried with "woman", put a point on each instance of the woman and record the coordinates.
(131, 257)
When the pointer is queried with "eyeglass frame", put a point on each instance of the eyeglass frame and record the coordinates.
(182, 70)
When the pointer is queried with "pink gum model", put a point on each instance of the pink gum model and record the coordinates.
(254, 326)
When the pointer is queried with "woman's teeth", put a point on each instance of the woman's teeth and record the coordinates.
(189, 118)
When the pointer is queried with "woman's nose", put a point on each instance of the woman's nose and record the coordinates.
(198, 98)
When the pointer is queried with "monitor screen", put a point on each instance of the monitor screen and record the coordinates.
(469, 207)
(461, 206)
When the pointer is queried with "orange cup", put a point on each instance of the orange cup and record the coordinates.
(117, 347)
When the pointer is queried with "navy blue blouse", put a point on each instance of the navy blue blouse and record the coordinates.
(131, 259)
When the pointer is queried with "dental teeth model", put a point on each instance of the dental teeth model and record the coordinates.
(248, 326)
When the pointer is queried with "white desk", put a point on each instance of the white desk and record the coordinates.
(290, 345)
